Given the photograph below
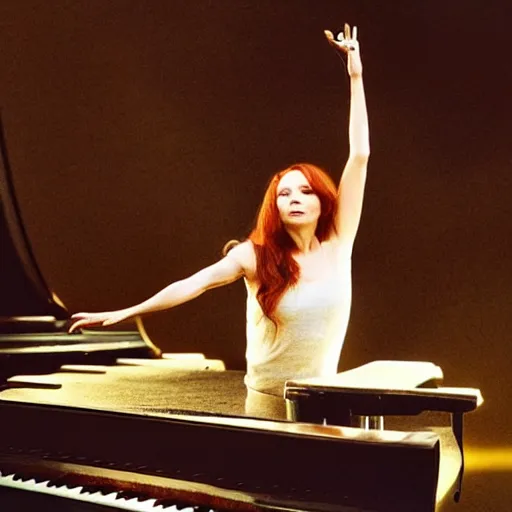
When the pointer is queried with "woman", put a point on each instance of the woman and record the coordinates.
(296, 265)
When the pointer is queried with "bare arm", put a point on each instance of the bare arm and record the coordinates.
(352, 184)
(227, 270)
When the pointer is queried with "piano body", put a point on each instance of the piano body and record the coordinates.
(33, 321)
(102, 420)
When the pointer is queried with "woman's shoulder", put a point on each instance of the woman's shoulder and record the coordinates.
(245, 255)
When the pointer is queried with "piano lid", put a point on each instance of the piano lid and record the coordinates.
(23, 290)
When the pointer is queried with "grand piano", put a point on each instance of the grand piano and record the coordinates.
(102, 420)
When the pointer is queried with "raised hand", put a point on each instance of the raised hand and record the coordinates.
(98, 319)
(347, 43)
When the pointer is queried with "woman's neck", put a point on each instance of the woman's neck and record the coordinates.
(304, 239)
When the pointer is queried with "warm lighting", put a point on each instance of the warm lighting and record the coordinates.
(488, 459)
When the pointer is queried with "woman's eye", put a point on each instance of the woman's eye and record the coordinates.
(308, 191)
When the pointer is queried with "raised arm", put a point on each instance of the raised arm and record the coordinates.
(227, 270)
(353, 179)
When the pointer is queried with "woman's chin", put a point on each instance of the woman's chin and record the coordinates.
(302, 221)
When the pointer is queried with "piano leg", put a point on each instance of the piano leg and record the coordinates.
(371, 422)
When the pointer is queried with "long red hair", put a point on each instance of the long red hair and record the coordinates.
(276, 269)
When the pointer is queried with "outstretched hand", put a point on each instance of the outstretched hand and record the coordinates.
(347, 43)
(97, 319)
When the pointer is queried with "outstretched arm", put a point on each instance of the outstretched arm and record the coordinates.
(351, 188)
(225, 271)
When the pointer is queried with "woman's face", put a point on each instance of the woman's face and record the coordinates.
(296, 201)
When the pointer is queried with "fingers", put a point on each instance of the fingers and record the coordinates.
(80, 315)
(347, 31)
(95, 319)
(78, 320)
(345, 40)
(76, 325)
(84, 319)
(329, 35)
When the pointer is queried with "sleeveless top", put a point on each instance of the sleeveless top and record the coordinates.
(312, 323)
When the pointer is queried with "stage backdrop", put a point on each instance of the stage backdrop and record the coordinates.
(142, 136)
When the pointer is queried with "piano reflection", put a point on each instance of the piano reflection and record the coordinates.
(102, 420)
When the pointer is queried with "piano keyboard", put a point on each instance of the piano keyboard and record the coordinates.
(188, 457)
(120, 500)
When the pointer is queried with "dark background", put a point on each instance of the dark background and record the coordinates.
(142, 135)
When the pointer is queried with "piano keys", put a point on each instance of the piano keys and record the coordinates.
(303, 466)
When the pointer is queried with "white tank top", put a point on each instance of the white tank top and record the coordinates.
(313, 318)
